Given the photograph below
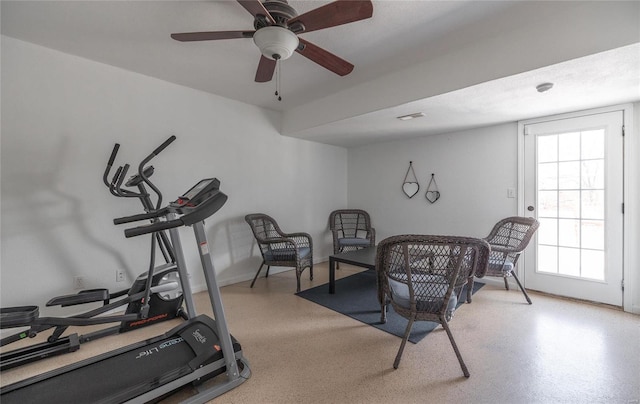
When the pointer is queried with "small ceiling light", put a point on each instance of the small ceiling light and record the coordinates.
(276, 43)
(544, 87)
(411, 116)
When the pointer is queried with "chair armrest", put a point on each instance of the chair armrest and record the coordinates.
(276, 240)
(286, 241)
(299, 245)
(300, 239)
(504, 249)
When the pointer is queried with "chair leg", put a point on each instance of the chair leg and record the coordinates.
(258, 273)
(526, 296)
(404, 342)
(506, 284)
(469, 290)
(383, 313)
(298, 273)
(268, 268)
(455, 348)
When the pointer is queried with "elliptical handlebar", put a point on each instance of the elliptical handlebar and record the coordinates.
(112, 158)
(114, 181)
(144, 172)
(118, 187)
(143, 163)
(116, 184)
(105, 176)
(163, 145)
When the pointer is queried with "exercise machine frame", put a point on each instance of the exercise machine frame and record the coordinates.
(208, 355)
(144, 302)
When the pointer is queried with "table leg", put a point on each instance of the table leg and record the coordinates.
(332, 275)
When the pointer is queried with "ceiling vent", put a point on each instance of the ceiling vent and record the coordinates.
(411, 116)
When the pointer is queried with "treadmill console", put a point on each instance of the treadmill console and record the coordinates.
(198, 203)
(197, 193)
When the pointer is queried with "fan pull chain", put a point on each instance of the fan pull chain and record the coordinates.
(278, 90)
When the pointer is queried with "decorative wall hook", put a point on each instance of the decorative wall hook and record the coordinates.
(410, 188)
(432, 193)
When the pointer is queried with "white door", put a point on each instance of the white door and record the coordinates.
(573, 174)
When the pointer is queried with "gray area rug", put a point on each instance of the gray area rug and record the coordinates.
(356, 296)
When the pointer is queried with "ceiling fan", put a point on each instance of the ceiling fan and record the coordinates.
(277, 26)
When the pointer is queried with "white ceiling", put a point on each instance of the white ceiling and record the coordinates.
(606, 78)
(134, 35)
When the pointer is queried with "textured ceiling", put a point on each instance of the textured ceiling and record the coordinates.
(387, 51)
(606, 78)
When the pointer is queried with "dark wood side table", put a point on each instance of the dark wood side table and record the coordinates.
(365, 258)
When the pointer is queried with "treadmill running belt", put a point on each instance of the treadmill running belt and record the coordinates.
(81, 387)
(123, 374)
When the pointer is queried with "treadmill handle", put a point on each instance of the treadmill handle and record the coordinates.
(153, 227)
(141, 216)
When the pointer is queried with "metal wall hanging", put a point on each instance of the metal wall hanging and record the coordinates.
(432, 194)
(410, 188)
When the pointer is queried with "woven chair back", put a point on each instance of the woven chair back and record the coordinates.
(349, 222)
(419, 274)
(263, 226)
(513, 232)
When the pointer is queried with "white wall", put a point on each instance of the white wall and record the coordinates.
(61, 116)
(473, 170)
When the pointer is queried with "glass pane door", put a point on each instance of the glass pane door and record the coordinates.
(570, 194)
(574, 186)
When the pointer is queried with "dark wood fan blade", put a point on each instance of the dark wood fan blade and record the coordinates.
(324, 58)
(266, 67)
(208, 36)
(336, 13)
(256, 8)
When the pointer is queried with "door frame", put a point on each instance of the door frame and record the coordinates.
(631, 197)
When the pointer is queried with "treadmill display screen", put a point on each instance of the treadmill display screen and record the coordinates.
(197, 189)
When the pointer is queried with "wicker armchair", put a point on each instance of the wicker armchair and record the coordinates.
(508, 240)
(422, 276)
(351, 229)
(279, 248)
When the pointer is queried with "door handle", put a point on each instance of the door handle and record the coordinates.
(530, 208)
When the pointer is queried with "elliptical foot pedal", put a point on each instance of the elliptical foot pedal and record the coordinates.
(18, 316)
(82, 297)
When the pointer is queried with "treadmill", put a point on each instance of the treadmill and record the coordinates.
(195, 351)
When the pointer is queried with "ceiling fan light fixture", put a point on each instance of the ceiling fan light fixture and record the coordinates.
(276, 43)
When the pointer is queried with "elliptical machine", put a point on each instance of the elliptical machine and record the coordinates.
(147, 302)
(168, 304)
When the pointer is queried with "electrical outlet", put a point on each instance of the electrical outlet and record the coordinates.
(120, 276)
(78, 282)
